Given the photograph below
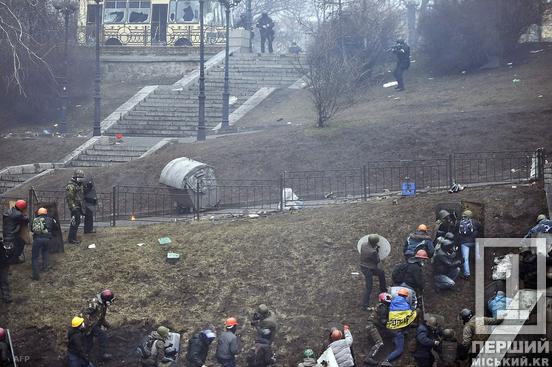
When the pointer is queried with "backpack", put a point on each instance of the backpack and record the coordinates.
(254, 357)
(465, 227)
(39, 226)
(144, 349)
(397, 276)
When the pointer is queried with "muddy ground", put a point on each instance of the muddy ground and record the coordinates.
(299, 263)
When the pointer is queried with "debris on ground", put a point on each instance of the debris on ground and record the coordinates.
(92, 245)
(173, 257)
(390, 84)
(164, 240)
(140, 244)
(516, 81)
(536, 51)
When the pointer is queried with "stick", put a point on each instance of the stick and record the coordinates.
(11, 349)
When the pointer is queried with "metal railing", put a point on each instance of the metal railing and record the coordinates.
(296, 189)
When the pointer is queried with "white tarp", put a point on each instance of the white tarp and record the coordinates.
(328, 357)
(291, 201)
(183, 173)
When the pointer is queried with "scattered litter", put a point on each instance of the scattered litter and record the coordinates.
(93, 245)
(456, 188)
(140, 244)
(464, 72)
(253, 215)
(291, 201)
(280, 119)
(430, 78)
(412, 61)
(55, 125)
(397, 98)
(173, 257)
(536, 51)
(79, 105)
(355, 274)
(232, 100)
(46, 132)
(516, 81)
(510, 64)
(289, 122)
(395, 202)
(178, 89)
(390, 84)
(329, 195)
(540, 96)
(212, 217)
(164, 240)
(514, 187)
(513, 170)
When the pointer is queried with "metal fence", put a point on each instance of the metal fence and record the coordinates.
(296, 189)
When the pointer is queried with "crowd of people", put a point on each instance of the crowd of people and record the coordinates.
(398, 312)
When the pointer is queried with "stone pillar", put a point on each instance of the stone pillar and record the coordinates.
(239, 37)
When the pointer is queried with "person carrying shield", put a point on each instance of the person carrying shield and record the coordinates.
(369, 265)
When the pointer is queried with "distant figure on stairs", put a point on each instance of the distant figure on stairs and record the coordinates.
(266, 28)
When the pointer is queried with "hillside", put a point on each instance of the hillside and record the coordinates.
(299, 264)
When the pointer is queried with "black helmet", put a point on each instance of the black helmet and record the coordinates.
(443, 214)
(446, 244)
(466, 314)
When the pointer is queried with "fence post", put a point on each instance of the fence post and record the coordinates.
(114, 206)
(281, 193)
(197, 201)
(364, 188)
(450, 168)
(145, 35)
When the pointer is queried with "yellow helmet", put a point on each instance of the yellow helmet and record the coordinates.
(77, 321)
(42, 211)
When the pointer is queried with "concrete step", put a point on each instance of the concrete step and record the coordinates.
(159, 132)
(168, 117)
(80, 163)
(120, 147)
(108, 153)
(106, 158)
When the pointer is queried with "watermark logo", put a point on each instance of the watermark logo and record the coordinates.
(522, 303)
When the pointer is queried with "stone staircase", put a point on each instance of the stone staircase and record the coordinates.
(107, 151)
(172, 111)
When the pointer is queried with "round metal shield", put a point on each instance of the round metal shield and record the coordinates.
(384, 246)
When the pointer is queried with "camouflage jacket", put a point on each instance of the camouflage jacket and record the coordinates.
(74, 195)
(94, 314)
(468, 333)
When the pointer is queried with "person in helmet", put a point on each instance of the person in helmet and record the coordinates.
(43, 228)
(198, 347)
(448, 351)
(544, 225)
(446, 266)
(13, 221)
(94, 314)
(340, 344)
(266, 28)
(263, 318)
(445, 223)
(74, 196)
(157, 350)
(427, 338)
(309, 359)
(402, 52)
(377, 325)
(401, 316)
(413, 274)
(419, 240)
(5, 348)
(468, 229)
(75, 344)
(369, 265)
(468, 332)
(261, 354)
(90, 201)
(228, 344)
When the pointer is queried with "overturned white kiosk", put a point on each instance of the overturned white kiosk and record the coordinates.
(192, 184)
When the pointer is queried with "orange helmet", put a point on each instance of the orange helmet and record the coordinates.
(42, 211)
(403, 292)
(230, 322)
(421, 254)
(422, 227)
(21, 204)
(336, 335)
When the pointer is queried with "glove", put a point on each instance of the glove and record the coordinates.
(436, 343)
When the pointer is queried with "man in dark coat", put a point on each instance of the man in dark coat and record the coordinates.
(266, 28)
(75, 197)
(90, 202)
(12, 222)
(6, 255)
(402, 52)
(198, 347)
(261, 355)
(43, 227)
(414, 275)
(427, 338)
(75, 344)
(419, 240)
(369, 260)
(446, 266)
